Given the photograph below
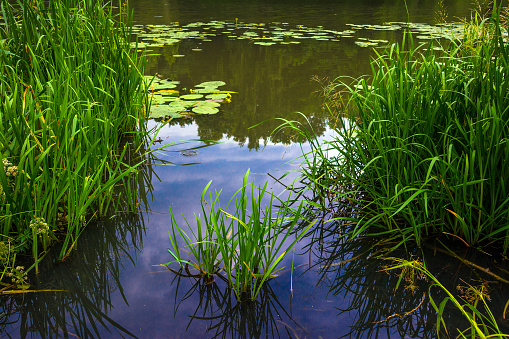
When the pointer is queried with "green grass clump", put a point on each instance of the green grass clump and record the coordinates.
(423, 148)
(247, 246)
(70, 91)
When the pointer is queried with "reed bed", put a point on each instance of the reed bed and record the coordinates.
(422, 142)
(421, 150)
(71, 103)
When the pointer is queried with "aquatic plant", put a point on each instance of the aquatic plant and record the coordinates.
(421, 145)
(482, 325)
(71, 92)
(167, 103)
(248, 245)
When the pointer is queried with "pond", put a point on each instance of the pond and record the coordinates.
(112, 286)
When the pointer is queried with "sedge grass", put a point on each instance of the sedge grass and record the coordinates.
(248, 245)
(423, 149)
(70, 91)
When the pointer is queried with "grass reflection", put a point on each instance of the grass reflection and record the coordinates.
(227, 317)
(88, 277)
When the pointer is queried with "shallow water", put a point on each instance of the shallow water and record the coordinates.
(112, 286)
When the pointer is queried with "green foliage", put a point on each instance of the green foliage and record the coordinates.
(70, 91)
(482, 325)
(422, 147)
(248, 246)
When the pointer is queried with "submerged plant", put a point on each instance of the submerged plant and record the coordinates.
(248, 245)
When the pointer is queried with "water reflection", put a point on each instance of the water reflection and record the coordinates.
(225, 317)
(85, 283)
(397, 303)
(73, 297)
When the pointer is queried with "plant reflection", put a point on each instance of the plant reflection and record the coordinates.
(397, 304)
(229, 318)
(83, 283)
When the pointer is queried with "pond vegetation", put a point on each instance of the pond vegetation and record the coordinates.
(71, 109)
(421, 155)
(247, 245)
(419, 161)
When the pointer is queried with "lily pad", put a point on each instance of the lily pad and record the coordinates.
(168, 92)
(207, 103)
(211, 84)
(191, 96)
(163, 111)
(167, 85)
(202, 109)
(206, 90)
(220, 96)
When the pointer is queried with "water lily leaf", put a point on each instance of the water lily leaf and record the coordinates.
(162, 111)
(180, 105)
(207, 103)
(220, 96)
(211, 84)
(168, 92)
(205, 110)
(159, 86)
(191, 96)
(227, 92)
(158, 99)
(264, 43)
(206, 90)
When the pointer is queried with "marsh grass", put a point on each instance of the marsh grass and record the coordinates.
(423, 148)
(246, 246)
(70, 91)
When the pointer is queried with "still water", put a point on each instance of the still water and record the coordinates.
(111, 285)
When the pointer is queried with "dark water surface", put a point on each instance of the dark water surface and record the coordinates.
(112, 287)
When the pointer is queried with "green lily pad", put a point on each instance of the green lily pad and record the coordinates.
(167, 92)
(201, 109)
(191, 96)
(167, 85)
(162, 111)
(207, 104)
(206, 90)
(217, 96)
(211, 84)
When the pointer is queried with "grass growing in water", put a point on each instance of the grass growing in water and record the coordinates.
(424, 148)
(70, 90)
(421, 150)
(248, 246)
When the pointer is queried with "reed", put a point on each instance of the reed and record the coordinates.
(248, 245)
(70, 91)
(422, 142)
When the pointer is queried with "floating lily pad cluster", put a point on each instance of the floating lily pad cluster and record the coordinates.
(259, 34)
(452, 31)
(281, 33)
(167, 102)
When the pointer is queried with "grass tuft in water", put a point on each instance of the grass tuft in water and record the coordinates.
(248, 245)
(70, 91)
(422, 144)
